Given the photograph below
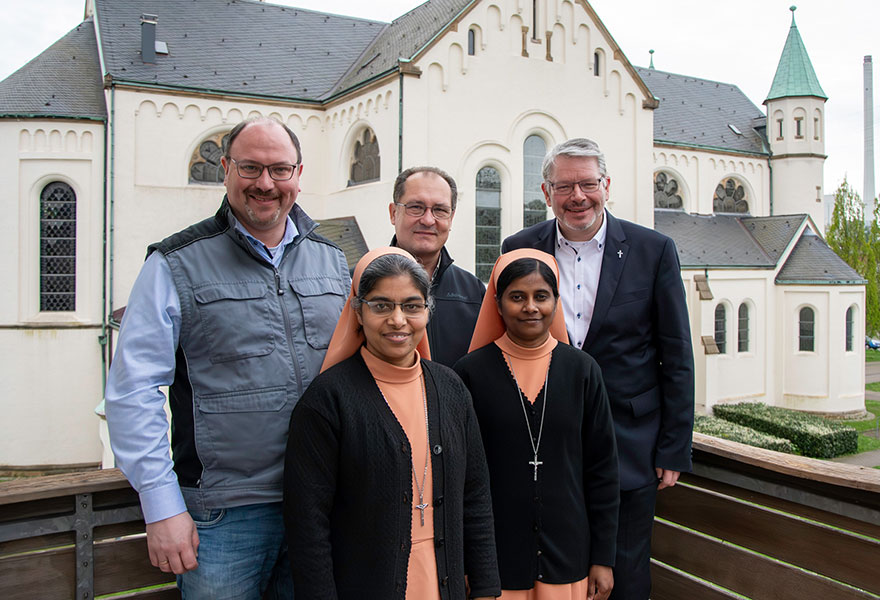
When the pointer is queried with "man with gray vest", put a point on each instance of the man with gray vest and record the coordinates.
(234, 314)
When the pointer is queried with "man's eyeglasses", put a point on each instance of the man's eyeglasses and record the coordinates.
(252, 170)
(414, 209)
(566, 188)
(383, 308)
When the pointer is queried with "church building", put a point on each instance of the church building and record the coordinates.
(111, 139)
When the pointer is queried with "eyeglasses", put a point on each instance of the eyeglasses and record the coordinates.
(439, 211)
(566, 188)
(383, 308)
(252, 170)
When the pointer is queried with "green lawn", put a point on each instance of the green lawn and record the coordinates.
(872, 355)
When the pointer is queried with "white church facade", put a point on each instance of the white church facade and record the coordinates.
(110, 140)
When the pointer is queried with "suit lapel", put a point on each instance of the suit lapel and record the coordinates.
(547, 238)
(613, 260)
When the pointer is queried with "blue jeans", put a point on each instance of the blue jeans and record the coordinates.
(242, 555)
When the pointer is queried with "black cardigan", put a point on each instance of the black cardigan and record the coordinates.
(554, 529)
(348, 489)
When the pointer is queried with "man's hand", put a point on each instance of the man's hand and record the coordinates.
(666, 477)
(600, 582)
(174, 544)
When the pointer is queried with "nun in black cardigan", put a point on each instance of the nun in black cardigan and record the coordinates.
(549, 439)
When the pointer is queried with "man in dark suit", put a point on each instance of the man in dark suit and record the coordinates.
(624, 303)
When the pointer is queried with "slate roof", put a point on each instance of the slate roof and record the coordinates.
(732, 241)
(794, 74)
(813, 262)
(711, 240)
(64, 81)
(345, 233)
(699, 112)
(403, 39)
(234, 46)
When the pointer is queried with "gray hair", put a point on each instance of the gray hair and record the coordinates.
(400, 182)
(580, 147)
(393, 265)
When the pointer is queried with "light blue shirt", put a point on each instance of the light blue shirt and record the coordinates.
(144, 362)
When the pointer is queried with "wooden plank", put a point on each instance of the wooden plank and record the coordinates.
(808, 512)
(834, 553)
(41, 542)
(747, 573)
(838, 474)
(50, 574)
(124, 565)
(50, 486)
(37, 509)
(669, 584)
(164, 593)
(118, 530)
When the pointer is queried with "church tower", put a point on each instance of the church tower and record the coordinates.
(796, 132)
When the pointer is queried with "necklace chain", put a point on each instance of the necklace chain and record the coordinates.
(535, 446)
(422, 505)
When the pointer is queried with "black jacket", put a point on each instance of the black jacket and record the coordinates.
(458, 296)
(348, 490)
(553, 529)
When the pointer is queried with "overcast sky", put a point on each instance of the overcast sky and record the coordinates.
(733, 42)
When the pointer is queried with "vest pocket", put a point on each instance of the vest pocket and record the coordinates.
(235, 320)
(321, 300)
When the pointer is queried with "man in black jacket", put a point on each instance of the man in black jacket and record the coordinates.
(421, 212)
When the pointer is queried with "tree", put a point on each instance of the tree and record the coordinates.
(859, 246)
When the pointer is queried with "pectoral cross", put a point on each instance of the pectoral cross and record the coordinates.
(422, 508)
(620, 254)
(536, 463)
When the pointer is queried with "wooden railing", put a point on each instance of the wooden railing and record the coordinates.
(767, 526)
(747, 523)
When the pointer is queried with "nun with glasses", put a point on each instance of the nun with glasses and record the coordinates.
(386, 489)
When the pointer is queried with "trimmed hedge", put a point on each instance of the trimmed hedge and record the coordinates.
(737, 433)
(812, 435)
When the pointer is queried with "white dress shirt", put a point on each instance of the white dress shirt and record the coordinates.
(580, 264)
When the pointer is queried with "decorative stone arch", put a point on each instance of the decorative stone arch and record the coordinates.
(361, 154)
(203, 167)
(670, 190)
(733, 195)
(476, 41)
(777, 126)
(799, 123)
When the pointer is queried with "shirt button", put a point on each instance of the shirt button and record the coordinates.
(444, 582)
(403, 447)
(579, 315)
(540, 576)
(405, 499)
(539, 553)
(438, 449)
(438, 501)
(579, 259)
(579, 286)
(535, 527)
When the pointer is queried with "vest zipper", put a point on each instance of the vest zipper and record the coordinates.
(287, 331)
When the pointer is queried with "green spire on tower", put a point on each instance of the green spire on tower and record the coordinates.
(795, 75)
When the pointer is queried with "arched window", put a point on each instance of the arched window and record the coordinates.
(204, 164)
(666, 191)
(849, 328)
(534, 19)
(721, 328)
(365, 159)
(597, 63)
(742, 340)
(806, 330)
(730, 197)
(57, 248)
(534, 207)
(488, 201)
(472, 42)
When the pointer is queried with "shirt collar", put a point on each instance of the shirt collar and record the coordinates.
(599, 238)
(290, 232)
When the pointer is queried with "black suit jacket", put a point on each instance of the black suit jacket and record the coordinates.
(640, 336)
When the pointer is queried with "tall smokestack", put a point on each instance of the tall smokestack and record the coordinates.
(868, 190)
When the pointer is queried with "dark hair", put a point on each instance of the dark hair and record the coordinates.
(392, 265)
(400, 183)
(522, 267)
(227, 141)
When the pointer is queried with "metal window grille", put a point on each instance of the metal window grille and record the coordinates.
(488, 224)
(742, 342)
(807, 332)
(534, 206)
(57, 248)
